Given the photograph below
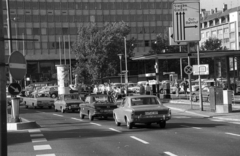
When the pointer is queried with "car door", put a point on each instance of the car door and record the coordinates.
(120, 111)
(84, 106)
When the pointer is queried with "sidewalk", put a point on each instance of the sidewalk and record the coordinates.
(185, 106)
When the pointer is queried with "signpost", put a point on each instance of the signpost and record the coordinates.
(17, 65)
(14, 89)
(186, 21)
(188, 69)
(202, 69)
(171, 41)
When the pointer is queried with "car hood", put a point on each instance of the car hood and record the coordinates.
(149, 108)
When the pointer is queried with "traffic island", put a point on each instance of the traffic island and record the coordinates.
(22, 124)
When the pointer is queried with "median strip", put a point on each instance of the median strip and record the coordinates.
(233, 134)
(115, 130)
(139, 140)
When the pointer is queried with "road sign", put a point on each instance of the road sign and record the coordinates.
(186, 24)
(188, 69)
(203, 69)
(17, 65)
(14, 89)
(171, 41)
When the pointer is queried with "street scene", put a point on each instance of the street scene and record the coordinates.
(124, 78)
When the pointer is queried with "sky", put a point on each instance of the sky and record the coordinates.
(212, 4)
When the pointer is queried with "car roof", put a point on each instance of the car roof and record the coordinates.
(138, 96)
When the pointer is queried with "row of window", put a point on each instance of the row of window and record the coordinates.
(57, 45)
(73, 31)
(215, 33)
(88, 5)
(93, 18)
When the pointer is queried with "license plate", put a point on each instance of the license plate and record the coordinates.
(151, 113)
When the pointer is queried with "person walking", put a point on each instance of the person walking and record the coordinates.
(148, 90)
(142, 89)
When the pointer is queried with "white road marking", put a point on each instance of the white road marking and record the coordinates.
(235, 123)
(95, 124)
(36, 135)
(217, 120)
(196, 128)
(42, 147)
(180, 117)
(58, 115)
(39, 140)
(34, 131)
(46, 155)
(115, 130)
(77, 119)
(139, 140)
(233, 134)
(169, 153)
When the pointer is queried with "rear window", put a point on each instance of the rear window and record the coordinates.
(145, 101)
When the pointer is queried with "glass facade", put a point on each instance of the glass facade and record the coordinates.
(49, 21)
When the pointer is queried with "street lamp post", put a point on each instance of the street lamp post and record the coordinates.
(16, 31)
(126, 72)
(120, 57)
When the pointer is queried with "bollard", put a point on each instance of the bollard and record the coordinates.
(15, 109)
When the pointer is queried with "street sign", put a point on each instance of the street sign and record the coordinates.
(171, 41)
(203, 69)
(186, 21)
(17, 65)
(14, 89)
(188, 69)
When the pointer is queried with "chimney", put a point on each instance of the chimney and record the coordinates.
(203, 12)
(224, 7)
(216, 10)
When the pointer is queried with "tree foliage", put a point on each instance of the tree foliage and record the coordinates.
(97, 49)
(212, 44)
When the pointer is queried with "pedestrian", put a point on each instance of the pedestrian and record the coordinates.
(148, 90)
(177, 88)
(142, 89)
(185, 86)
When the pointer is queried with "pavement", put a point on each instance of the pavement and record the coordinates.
(187, 106)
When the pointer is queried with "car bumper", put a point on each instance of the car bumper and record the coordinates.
(99, 114)
(150, 118)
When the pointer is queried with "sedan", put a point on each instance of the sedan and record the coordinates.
(67, 102)
(97, 105)
(141, 109)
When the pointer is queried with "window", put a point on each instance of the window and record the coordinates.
(29, 45)
(51, 31)
(43, 31)
(232, 35)
(36, 31)
(146, 43)
(29, 31)
(232, 27)
(208, 35)
(225, 40)
(220, 32)
(232, 45)
(202, 35)
(37, 45)
(225, 30)
(214, 34)
(65, 31)
(42, 5)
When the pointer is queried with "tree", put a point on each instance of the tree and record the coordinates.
(96, 50)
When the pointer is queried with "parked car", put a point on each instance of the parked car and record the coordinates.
(141, 109)
(53, 92)
(205, 94)
(38, 102)
(97, 105)
(67, 102)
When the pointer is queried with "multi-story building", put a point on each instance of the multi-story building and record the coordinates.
(223, 25)
(52, 21)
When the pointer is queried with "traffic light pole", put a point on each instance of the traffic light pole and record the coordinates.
(3, 105)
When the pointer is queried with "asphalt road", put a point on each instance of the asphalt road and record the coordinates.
(67, 135)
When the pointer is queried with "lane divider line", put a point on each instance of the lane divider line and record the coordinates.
(46, 155)
(115, 130)
(235, 123)
(58, 115)
(233, 134)
(39, 140)
(217, 120)
(42, 147)
(95, 124)
(77, 119)
(170, 154)
(196, 127)
(36, 135)
(34, 131)
(145, 142)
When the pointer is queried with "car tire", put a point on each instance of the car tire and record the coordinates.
(162, 124)
(81, 115)
(90, 117)
(116, 122)
(130, 124)
(56, 110)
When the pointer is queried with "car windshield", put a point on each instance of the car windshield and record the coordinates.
(145, 101)
(102, 99)
(71, 96)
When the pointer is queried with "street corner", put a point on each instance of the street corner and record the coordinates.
(24, 124)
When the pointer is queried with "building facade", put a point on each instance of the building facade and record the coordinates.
(54, 25)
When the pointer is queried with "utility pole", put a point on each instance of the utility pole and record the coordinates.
(3, 106)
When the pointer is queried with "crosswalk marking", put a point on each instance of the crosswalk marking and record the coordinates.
(39, 140)
(41, 147)
(36, 135)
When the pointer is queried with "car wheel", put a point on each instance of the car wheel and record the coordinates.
(62, 110)
(162, 124)
(53, 96)
(81, 115)
(90, 117)
(116, 122)
(130, 124)
(56, 110)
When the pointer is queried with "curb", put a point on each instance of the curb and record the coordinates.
(207, 116)
(25, 124)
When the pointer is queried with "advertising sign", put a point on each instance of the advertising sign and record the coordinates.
(63, 79)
